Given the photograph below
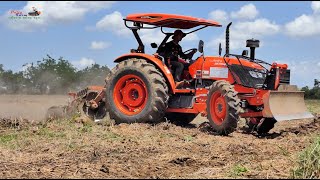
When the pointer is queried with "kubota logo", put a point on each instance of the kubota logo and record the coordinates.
(17, 14)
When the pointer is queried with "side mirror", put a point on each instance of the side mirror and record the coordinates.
(154, 45)
(220, 49)
(245, 53)
(200, 46)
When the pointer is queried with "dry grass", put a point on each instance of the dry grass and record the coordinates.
(309, 162)
(313, 105)
(67, 148)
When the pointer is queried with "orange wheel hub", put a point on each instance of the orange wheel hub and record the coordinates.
(218, 108)
(130, 94)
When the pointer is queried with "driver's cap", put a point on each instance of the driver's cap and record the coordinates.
(177, 32)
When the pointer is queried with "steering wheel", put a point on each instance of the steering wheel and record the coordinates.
(187, 51)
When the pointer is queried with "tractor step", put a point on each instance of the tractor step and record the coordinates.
(181, 101)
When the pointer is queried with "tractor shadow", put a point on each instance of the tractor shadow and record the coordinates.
(303, 129)
(313, 126)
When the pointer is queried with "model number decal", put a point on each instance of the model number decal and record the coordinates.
(218, 72)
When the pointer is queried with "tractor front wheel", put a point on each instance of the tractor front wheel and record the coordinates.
(136, 92)
(223, 107)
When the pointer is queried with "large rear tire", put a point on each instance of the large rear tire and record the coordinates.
(136, 92)
(223, 107)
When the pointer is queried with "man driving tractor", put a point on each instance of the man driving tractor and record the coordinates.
(172, 51)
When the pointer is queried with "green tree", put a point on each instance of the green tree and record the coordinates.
(1, 69)
(93, 75)
(50, 75)
(12, 81)
(313, 93)
(316, 83)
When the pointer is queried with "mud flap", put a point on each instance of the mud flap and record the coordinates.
(287, 103)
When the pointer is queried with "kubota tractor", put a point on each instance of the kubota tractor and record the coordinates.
(141, 88)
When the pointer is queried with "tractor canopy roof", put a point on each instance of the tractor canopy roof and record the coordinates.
(170, 20)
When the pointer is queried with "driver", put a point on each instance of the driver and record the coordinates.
(172, 50)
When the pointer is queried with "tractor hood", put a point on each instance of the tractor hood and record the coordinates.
(245, 72)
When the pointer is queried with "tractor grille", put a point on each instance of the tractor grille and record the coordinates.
(248, 77)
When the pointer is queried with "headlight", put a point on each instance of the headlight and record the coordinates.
(256, 74)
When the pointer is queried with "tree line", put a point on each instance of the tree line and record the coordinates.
(50, 76)
(313, 93)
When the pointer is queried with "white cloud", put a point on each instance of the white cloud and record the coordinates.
(151, 35)
(305, 25)
(191, 37)
(248, 11)
(99, 45)
(113, 22)
(259, 27)
(303, 73)
(315, 5)
(83, 63)
(241, 31)
(219, 15)
(53, 12)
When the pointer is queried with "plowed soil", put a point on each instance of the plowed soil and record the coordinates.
(67, 149)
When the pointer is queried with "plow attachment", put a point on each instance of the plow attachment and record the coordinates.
(287, 103)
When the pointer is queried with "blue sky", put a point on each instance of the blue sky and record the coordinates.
(87, 32)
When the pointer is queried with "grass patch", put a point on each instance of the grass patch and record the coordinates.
(167, 135)
(188, 138)
(309, 162)
(238, 170)
(87, 128)
(111, 136)
(46, 132)
(313, 105)
(283, 151)
(6, 138)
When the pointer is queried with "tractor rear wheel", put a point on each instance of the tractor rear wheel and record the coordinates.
(223, 107)
(136, 92)
(180, 118)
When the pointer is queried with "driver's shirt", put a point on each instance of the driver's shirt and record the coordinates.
(172, 50)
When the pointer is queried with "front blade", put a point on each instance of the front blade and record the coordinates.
(285, 105)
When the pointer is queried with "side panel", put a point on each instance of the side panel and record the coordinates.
(157, 62)
(212, 68)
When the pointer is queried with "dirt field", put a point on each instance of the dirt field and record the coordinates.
(31, 107)
(66, 149)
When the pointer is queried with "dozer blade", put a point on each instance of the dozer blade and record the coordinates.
(286, 103)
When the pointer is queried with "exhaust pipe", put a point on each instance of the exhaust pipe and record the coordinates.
(227, 39)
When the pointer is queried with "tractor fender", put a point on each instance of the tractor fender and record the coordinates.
(155, 61)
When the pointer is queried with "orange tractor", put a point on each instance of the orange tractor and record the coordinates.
(141, 87)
